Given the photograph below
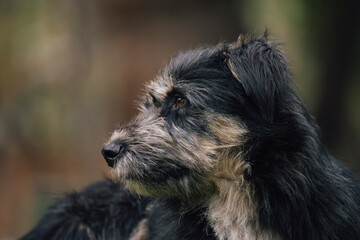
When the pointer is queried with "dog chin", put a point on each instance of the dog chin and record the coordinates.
(119, 173)
(138, 188)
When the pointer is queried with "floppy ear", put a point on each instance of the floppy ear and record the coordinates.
(262, 70)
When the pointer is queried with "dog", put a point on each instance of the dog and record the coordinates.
(223, 148)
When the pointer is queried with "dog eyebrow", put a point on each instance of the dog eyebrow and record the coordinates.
(156, 101)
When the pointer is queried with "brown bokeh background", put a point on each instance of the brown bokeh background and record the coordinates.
(70, 70)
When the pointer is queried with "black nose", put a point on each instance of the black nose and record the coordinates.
(111, 152)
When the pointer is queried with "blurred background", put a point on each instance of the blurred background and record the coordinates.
(71, 70)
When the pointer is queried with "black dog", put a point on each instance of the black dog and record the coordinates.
(223, 148)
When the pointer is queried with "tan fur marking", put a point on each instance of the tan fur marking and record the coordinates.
(160, 87)
(227, 130)
(141, 232)
(233, 210)
(233, 213)
(140, 189)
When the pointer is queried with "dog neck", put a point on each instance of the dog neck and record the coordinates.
(233, 213)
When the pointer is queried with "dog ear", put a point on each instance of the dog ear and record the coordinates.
(262, 70)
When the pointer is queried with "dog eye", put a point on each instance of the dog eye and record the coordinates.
(180, 101)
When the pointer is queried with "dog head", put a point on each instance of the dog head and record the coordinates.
(203, 119)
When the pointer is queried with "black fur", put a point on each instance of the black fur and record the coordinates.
(302, 191)
(106, 211)
(105, 208)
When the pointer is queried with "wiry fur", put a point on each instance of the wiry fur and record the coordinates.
(241, 158)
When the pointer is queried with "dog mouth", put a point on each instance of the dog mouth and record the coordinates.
(120, 173)
(160, 174)
(125, 167)
(148, 169)
(186, 186)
